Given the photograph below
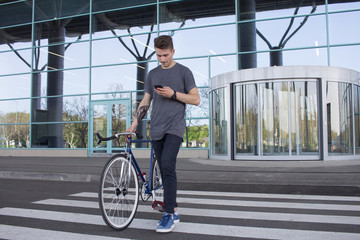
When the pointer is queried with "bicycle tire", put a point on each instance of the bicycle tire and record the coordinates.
(156, 181)
(118, 202)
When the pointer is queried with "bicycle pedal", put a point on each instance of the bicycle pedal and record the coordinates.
(158, 206)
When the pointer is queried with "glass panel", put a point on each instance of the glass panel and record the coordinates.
(14, 136)
(344, 6)
(115, 51)
(338, 34)
(190, 13)
(76, 81)
(19, 87)
(125, 21)
(76, 135)
(58, 109)
(68, 135)
(119, 117)
(203, 41)
(275, 118)
(286, 8)
(196, 134)
(76, 109)
(317, 56)
(246, 118)
(16, 13)
(57, 57)
(100, 124)
(222, 64)
(347, 57)
(219, 123)
(45, 9)
(199, 68)
(101, 5)
(357, 118)
(304, 124)
(339, 118)
(15, 111)
(16, 38)
(17, 61)
(117, 78)
(202, 110)
(276, 35)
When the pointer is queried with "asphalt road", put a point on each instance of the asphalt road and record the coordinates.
(32, 209)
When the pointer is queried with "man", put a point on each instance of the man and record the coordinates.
(170, 87)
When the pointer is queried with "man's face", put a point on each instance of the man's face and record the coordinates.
(165, 57)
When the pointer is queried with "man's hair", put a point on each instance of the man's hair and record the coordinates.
(164, 42)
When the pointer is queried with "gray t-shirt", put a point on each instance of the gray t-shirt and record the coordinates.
(168, 115)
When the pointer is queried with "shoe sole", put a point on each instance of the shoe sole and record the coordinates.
(165, 230)
(175, 221)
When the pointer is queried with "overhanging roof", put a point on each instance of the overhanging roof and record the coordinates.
(137, 17)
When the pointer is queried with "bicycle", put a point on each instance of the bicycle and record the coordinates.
(119, 184)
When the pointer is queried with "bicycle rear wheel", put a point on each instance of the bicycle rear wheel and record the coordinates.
(118, 193)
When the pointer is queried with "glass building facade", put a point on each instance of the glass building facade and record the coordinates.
(70, 69)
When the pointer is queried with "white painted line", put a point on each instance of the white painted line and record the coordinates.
(191, 228)
(247, 203)
(25, 233)
(249, 195)
(241, 203)
(216, 213)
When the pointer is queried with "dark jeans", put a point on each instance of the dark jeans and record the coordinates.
(166, 151)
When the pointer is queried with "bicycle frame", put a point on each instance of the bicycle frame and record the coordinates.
(148, 188)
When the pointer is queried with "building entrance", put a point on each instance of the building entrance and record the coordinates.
(108, 117)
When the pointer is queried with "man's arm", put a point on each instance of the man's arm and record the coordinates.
(192, 97)
(141, 112)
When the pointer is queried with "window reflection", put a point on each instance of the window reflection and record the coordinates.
(246, 118)
(197, 42)
(219, 123)
(194, 13)
(339, 118)
(340, 34)
(14, 136)
(275, 118)
(304, 112)
(73, 135)
(20, 13)
(357, 118)
(57, 9)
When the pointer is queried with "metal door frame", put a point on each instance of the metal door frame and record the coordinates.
(108, 103)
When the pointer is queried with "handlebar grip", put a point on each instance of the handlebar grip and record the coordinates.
(101, 139)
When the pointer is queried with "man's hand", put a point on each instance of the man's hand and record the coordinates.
(165, 91)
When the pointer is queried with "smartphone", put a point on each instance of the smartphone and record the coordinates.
(158, 86)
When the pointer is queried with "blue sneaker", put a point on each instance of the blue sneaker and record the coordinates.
(176, 218)
(166, 224)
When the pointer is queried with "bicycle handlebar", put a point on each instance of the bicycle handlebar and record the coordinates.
(117, 135)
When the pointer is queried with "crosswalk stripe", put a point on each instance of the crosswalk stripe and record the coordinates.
(254, 195)
(270, 195)
(245, 203)
(315, 218)
(26, 233)
(191, 228)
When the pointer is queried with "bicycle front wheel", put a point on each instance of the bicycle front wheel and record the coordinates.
(118, 193)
